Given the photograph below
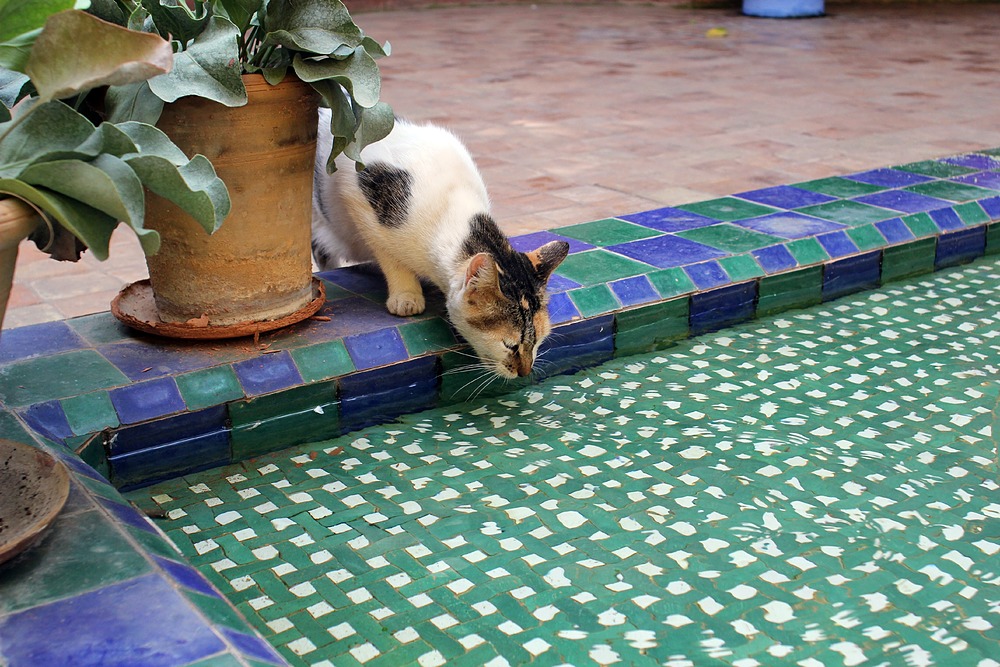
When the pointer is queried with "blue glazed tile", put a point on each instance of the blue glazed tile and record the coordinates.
(128, 515)
(355, 315)
(360, 279)
(960, 247)
(378, 395)
(707, 275)
(170, 460)
(852, 274)
(559, 283)
(142, 359)
(529, 242)
(669, 219)
(889, 178)
(991, 206)
(38, 340)
(187, 576)
(775, 259)
(562, 309)
(577, 345)
(984, 179)
(114, 626)
(838, 244)
(903, 201)
(267, 373)
(376, 348)
(785, 196)
(49, 420)
(667, 251)
(724, 307)
(894, 230)
(252, 647)
(790, 225)
(165, 431)
(633, 291)
(147, 400)
(974, 161)
(947, 220)
(81, 468)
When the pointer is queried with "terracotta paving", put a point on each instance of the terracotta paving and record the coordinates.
(578, 113)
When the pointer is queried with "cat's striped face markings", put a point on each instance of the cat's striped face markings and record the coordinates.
(504, 313)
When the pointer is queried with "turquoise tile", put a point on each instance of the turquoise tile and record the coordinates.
(596, 300)
(90, 413)
(741, 267)
(432, 335)
(848, 212)
(208, 387)
(807, 251)
(671, 282)
(323, 361)
(607, 232)
(728, 209)
(599, 266)
(58, 376)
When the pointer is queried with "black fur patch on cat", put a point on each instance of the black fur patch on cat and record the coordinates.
(518, 279)
(387, 189)
(322, 259)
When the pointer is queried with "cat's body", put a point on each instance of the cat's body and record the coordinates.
(420, 210)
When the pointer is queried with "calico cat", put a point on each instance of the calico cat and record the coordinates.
(420, 210)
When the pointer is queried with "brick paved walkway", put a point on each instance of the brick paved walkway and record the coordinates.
(577, 113)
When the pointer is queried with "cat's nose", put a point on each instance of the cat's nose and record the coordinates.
(523, 367)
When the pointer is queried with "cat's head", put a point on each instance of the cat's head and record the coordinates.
(502, 308)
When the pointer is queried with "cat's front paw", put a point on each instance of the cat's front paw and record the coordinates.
(405, 304)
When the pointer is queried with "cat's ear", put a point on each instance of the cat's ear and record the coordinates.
(548, 257)
(482, 272)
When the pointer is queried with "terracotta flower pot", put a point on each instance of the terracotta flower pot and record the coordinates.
(257, 266)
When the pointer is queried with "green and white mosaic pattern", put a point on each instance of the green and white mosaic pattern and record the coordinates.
(819, 488)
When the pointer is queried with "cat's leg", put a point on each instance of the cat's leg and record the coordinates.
(406, 295)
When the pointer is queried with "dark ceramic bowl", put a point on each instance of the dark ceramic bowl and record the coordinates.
(33, 488)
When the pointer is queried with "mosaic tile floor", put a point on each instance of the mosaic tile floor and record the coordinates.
(816, 488)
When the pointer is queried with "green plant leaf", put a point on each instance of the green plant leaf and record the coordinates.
(373, 124)
(4, 113)
(13, 86)
(103, 54)
(106, 184)
(209, 68)
(50, 129)
(18, 17)
(151, 141)
(274, 75)
(194, 187)
(14, 53)
(132, 101)
(343, 122)
(358, 73)
(175, 20)
(376, 50)
(240, 12)
(86, 223)
(107, 10)
(313, 26)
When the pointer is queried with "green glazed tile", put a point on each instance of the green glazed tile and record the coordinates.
(431, 335)
(334, 292)
(607, 232)
(92, 453)
(99, 329)
(218, 610)
(90, 413)
(81, 552)
(208, 387)
(990, 151)
(462, 378)
(866, 237)
(840, 187)
(594, 300)
(848, 212)
(807, 251)
(921, 224)
(951, 191)
(154, 543)
(671, 282)
(276, 421)
(12, 429)
(323, 360)
(741, 267)
(908, 259)
(971, 213)
(728, 209)
(785, 291)
(599, 266)
(993, 239)
(225, 660)
(57, 376)
(934, 169)
(729, 237)
(651, 327)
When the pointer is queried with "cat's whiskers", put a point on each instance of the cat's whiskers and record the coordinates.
(490, 378)
(486, 373)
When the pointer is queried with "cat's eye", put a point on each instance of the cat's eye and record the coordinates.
(511, 346)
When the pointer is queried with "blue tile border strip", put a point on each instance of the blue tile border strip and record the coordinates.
(173, 408)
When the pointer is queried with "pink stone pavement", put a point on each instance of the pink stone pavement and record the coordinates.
(580, 112)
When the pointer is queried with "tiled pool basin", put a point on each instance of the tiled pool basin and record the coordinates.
(862, 434)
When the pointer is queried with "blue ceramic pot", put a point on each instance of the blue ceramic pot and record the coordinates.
(782, 9)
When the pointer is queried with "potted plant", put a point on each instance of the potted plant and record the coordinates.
(228, 55)
(268, 63)
(64, 179)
